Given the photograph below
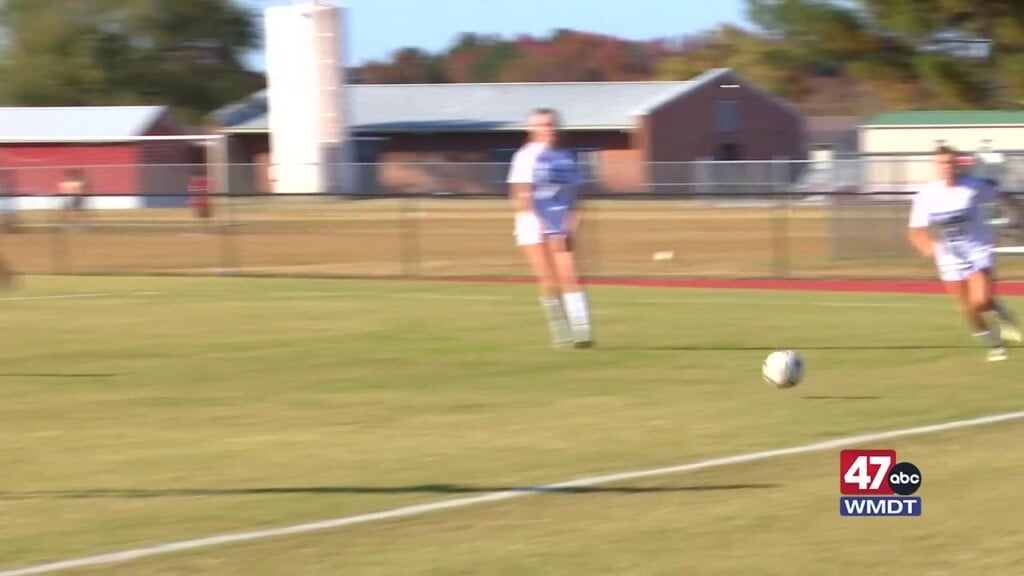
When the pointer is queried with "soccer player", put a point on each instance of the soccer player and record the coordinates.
(948, 225)
(75, 186)
(199, 193)
(543, 181)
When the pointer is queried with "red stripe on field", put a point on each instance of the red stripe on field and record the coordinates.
(1014, 288)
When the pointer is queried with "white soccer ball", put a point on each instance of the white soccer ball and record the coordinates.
(783, 369)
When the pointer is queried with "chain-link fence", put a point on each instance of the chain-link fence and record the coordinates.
(842, 218)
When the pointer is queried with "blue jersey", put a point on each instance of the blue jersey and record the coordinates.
(553, 177)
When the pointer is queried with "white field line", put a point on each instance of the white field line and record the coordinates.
(443, 505)
(527, 299)
(481, 297)
(411, 295)
(756, 302)
(76, 296)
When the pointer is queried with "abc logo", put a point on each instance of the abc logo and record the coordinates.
(904, 479)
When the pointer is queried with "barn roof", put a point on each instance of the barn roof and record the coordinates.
(946, 118)
(76, 123)
(479, 107)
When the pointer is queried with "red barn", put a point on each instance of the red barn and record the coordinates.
(39, 145)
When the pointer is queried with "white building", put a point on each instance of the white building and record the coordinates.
(896, 147)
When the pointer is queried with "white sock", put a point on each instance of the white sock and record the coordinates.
(576, 307)
(555, 315)
(988, 338)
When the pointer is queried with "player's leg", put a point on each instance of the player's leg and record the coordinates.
(531, 241)
(982, 288)
(956, 284)
(550, 300)
(982, 300)
(576, 305)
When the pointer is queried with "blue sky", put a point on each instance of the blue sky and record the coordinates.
(378, 27)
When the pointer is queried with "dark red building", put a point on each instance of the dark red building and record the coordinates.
(113, 146)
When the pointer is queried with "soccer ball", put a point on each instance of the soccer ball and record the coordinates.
(783, 369)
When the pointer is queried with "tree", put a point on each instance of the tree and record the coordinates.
(960, 53)
(188, 55)
(766, 62)
(408, 66)
(476, 58)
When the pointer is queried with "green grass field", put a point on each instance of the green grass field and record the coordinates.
(151, 410)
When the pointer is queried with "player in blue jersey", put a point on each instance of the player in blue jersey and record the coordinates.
(948, 225)
(544, 180)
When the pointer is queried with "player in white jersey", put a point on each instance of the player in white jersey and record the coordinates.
(948, 224)
(543, 180)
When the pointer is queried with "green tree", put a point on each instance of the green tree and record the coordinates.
(407, 66)
(475, 58)
(768, 63)
(188, 55)
(893, 45)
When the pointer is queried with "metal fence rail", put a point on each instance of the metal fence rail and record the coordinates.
(837, 236)
(736, 219)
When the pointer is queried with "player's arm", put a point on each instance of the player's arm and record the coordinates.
(519, 194)
(1015, 205)
(1018, 211)
(990, 192)
(520, 181)
(921, 239)
(918, 232)
(579, 188)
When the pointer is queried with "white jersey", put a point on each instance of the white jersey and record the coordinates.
(957, 216)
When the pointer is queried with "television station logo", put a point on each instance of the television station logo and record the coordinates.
(875, 483)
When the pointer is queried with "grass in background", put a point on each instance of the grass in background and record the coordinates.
(459, 237)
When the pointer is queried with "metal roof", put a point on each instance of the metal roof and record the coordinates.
(476, 107)
(76, 123)
(924, 118)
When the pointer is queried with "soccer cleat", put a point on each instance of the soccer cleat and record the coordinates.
(581, 337)
(997, 354)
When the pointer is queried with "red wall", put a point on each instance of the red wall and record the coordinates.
(113, 169)
(685, 130)
(38, 169)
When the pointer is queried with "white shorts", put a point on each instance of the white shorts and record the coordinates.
(952, 270)
(527, 229)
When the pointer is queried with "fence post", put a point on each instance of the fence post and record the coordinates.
(705, 185)
(591, 219)
(831, 209)
(781, 251)
(228, 249)
(58, 240)
(408, 241)
(897, 234)
(219, 177)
